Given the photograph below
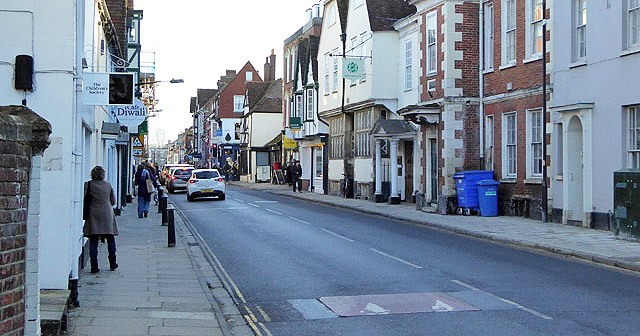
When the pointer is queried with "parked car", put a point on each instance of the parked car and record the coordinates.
(166, 170)
(205, 182)
(178, 178)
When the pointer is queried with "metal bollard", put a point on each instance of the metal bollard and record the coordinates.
(171, 230)
(419, 200)
(162, 200)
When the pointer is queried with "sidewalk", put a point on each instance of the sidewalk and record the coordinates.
(156, 290)
(592, 245)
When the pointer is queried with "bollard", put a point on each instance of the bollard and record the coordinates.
(162, 200)
(419, 200)
(171, 230)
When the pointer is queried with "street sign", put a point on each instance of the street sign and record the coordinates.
(135, 141)
(103, 88)
(130, 115)
(352, 68)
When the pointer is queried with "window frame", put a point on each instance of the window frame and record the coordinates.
(629, 29)
(508, 28)
(336, 137)
(363, 123)
(489, 36)
(331, 18)
(534, 143)
(579, 30)
(327, 74)
(509, 146)
(633, 137)
(334, 87)
(431, 22)
(310, 103)
(238, 99)
(534, 28)
(489, 141)
(408, 65)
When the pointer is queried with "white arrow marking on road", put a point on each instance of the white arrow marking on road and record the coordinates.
(373, 308)
(442, 307)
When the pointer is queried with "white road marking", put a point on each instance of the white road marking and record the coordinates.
(515, 304)
(465, 285)
(254, 205)
(214, 209)
(300, 220)
(337, 235)
(266, 201)
(273, 211)
(396, 258)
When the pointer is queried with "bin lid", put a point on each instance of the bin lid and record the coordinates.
(459, 175)
(487, 182)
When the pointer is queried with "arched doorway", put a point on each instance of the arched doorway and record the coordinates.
(574, 176)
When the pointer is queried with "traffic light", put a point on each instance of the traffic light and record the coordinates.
(214, 150)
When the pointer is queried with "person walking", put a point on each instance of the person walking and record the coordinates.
(296, 174)
(100, 221)
(145, 189)
(287, 173)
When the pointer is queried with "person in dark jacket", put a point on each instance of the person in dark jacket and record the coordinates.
(296, 175)
(144, 194)
(100, 221)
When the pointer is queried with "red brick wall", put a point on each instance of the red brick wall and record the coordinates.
(469, 46)
(237, 86)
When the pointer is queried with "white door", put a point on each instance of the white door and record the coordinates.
(574, 177)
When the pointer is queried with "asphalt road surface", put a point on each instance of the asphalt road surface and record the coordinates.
(298, 268)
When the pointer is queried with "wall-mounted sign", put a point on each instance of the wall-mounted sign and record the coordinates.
(289, 143)
(103, 88)
(130, 115)
(352, 68)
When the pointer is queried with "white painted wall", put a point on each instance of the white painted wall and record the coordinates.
(609, 80)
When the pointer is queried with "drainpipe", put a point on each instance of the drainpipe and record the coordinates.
(544, 195)
(481, 84)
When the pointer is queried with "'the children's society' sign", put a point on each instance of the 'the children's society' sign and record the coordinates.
(101, 88)
(130, 115)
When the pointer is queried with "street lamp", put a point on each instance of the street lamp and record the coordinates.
(172, 81)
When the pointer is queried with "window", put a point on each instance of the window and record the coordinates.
(580, 38)
(318, 162)
(633, 23)
(363, 124)
(238, 103)
(534, 143)
(336, 130)
(286, 67)
(508, 32)
(310, 104)
(332, 16)
(326, 74)
(509, 145)
(355, 47)
(298, 111)
(237, 133)
(334, 87)
(431, 43)
(408, 65)
(488, 36)
(488, 142)
(248, 76)
(535, 17)
(633, 121)
(362, 51)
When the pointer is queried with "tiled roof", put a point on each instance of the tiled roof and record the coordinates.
(384, 13)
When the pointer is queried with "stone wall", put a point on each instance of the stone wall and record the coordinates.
(23, 134)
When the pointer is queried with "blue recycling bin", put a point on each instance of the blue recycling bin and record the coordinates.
(467, 189)
(488, 197)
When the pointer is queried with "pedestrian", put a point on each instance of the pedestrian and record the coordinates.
(296, 174)
(154, 172)
(100, 221)
(287, 173)
(145, 189)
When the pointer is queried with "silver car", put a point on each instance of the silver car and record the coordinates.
(205, 182)
(178, 179)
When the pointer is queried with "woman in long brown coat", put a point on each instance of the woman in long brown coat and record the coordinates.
(100, 220)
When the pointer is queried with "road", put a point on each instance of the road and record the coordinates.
(297, 268)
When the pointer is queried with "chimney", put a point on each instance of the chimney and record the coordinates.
(270, 67)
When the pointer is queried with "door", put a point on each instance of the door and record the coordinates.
(433, 170)
(408, 170)
(574, 203)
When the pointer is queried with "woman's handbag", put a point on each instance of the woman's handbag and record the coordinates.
(150, 188)
(86, 207)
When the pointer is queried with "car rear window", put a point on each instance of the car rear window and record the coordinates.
(206, 174)
(182, 173)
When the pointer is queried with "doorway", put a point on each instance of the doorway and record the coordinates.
(408, 170)
(433, 170)
(574, 209)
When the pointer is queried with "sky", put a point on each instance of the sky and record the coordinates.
(198, 40)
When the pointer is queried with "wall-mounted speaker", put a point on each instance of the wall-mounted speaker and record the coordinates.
(24, 72)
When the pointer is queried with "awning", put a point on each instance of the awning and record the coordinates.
(275, 142)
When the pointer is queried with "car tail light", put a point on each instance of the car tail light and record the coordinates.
(219, 179)
(173, 177)
(193, 181)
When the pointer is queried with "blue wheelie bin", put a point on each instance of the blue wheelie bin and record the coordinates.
(488, 197)
(467, 189)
